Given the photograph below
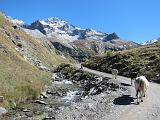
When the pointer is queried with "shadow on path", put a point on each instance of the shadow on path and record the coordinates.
(124, 100)
(124, 84)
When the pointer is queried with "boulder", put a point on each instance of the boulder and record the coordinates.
(2, 111)
(41, 102)
(44, 95)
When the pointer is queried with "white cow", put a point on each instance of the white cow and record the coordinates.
(141, 85)
(114, 73)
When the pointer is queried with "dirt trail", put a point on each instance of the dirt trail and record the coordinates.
(148, 110)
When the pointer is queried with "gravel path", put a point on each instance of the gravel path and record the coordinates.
(124, 107)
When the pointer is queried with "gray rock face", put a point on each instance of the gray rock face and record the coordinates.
(110, 37)
(2, 111)
(75, 53)
(37, 25)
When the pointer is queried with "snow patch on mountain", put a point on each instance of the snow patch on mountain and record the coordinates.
(34, 33)
(18, 22)
(151, 41)
(53, 22)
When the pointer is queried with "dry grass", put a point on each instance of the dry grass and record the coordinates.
(20, 80)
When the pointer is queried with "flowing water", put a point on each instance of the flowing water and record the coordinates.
(67, 92)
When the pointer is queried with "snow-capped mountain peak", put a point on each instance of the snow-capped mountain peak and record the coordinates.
(151, 41)
(57, 27)
(53, 22)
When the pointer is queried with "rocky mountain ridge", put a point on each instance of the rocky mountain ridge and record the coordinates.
(56, 27)
(52, 26)
(80, 44)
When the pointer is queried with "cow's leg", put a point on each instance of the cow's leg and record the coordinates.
(137, 95)
(142, 95)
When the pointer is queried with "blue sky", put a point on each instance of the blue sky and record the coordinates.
(137, 20)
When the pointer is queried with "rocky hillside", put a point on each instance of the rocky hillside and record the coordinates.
(24, 62)
(144, 59)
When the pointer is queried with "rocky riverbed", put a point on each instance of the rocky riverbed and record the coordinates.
(80, 96)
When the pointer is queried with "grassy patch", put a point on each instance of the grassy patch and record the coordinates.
(73, 73)
(19, 80)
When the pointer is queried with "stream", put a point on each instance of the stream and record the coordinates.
(63, 92)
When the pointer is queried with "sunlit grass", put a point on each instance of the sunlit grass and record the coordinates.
(19, 80)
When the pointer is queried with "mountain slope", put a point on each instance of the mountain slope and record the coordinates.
(144, 59)
(23, 63)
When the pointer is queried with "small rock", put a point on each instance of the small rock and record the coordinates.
(2, 111)
(49, 118)
(50, 92)
(44, 95)
(59, 93)
(41, 97)
(29, 114)
(1, 99)
(26, 110)
(41, 102)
